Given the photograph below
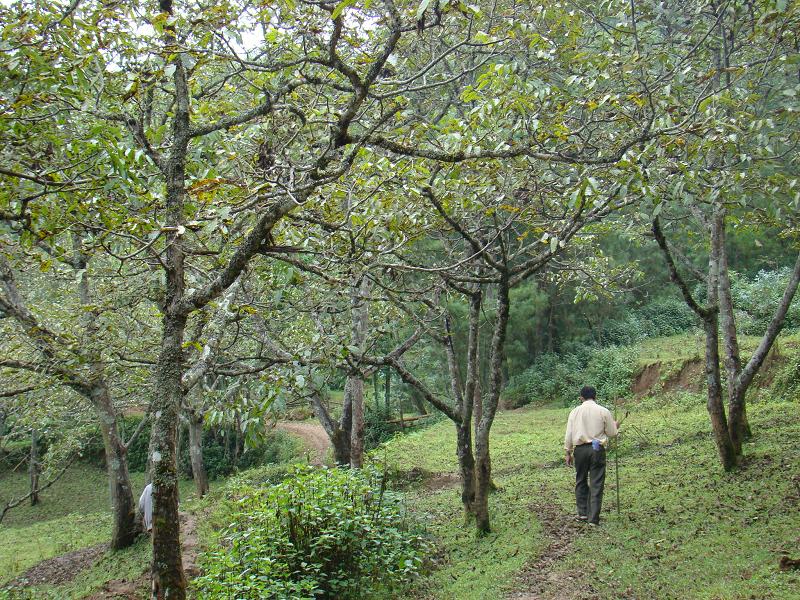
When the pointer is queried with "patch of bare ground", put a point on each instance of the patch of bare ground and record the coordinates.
(61, 569)
(134, 589)
(440, 481)
(127, 589)
(313, 436)
(770, 369)
(691, 377)
(645, 382)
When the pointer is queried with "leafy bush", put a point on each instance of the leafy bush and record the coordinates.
(323, 533)
(663, 317)
(376, 428)
(276, 447)
(552, 378)
(759, 297)
(559, 377)
(668, 316)
(624, 331)
(263, 476)
(611, 371)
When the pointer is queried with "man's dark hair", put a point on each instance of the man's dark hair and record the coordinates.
(588, 393)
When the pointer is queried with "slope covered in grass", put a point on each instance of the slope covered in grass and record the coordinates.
(74, 513)
(685, 528)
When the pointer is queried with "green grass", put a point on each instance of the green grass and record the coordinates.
(74, 513)
(690, 345)
(686, 529)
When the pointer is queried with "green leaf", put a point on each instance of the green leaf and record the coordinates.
(423, 6)
(340, 8)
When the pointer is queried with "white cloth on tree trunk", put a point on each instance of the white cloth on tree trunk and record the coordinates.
(146, 506)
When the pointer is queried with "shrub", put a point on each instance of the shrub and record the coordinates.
(376, 428)
(611, 371)
(276, 447)
(323, 533)
(759, 297)
(551, 378)
(624, 331)
(665, 317)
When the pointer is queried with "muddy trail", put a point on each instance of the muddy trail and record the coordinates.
(313, 435)
(137, 588)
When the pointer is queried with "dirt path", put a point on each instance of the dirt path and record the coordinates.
(313, 436)
(137, 588)
(61, 569)
(541, 580)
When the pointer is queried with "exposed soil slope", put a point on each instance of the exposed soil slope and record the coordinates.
(313, 436)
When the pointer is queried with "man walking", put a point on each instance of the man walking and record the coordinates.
(588, 429)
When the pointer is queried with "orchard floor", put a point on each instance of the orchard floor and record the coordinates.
(685, 529)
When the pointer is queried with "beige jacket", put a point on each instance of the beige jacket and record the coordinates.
(588, 422)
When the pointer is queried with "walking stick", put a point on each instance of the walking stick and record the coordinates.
(616, 455)
(616, 470)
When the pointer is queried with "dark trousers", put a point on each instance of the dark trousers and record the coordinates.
(590, 478)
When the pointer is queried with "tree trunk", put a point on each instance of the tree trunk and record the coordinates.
(354, 386)
(341, 446)
(419, 403)
(387, 389)
(483, 479)
(338, 433)
(477, 405)
(196, 454)
(738, 429)
(34, 468)
(716, 408)
(738, 413)
(168, 578)
(710, 317)
(126, 527)
(466, 463)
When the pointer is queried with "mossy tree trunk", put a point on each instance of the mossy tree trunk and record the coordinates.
(482, 455)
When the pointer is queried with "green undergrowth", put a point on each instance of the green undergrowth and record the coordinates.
(685, 529)
(323, 533)
(691, 345)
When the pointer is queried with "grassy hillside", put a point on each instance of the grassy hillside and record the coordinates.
(685, 528)
(73, 514)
